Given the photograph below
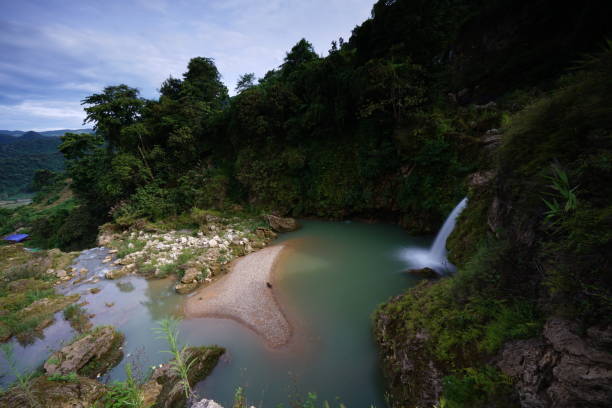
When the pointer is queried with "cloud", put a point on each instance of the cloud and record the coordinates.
(59, 51)
(54, 112)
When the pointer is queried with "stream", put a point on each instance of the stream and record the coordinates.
(329, 281)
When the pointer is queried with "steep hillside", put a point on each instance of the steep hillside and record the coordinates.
(21, 156)
(529, 312)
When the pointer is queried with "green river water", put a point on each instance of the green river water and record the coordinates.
(329, 283)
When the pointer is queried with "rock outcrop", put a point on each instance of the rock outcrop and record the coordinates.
(563, 368)
(93, 354)
(413, 377)
(42, 392)
(424, 273)
(165, 390)
(205, 403)
(280, 224)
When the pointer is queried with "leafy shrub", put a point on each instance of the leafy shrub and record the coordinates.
(476, 388)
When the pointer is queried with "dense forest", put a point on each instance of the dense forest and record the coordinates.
(506, 102)
(20, 158)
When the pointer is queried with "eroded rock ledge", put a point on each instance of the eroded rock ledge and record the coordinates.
(562, 368)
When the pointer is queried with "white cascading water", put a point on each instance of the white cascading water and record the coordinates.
(435, 256)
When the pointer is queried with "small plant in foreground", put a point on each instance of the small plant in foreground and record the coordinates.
(124, 394)
(23, 379)
(168, 330)
(71, 377)
(560, 183)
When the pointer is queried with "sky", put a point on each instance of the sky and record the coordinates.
(53, 53)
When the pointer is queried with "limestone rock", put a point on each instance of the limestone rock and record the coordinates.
(424, 273)
(191, 274)
(480, 179)
(205, 403)
(101, 345)
(118, 273)
(184, 288)
(81, 393)
(201, 361)
(561, 369)
(280, 224)
(413, 376)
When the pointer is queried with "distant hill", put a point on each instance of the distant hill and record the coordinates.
(6, 139)
(21, 156)
(52, 133)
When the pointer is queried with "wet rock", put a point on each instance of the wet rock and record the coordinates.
(480, 179)
(191, 275)
(93, 354)
(424, 273)
(107, 259)
(562, 368)
(79, 393)
(201, 361)
(61, 273)
(265, 233)
(83, 271)
(414, 378)
(93, 291)
(184, 288)
(280, 224)
(205, 403)
(118, 273)
(48, 305)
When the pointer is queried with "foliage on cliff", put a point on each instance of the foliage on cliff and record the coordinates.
(534, 242)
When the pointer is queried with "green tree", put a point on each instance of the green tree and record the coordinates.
(112, 110)
(300, 53)
(245, 82)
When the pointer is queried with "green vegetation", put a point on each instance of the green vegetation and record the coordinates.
(21, 157)
(533, 243)
(23, 379)
(388, 125)
(72, 377)
(168, 330)
(123, 394)
(77, 316)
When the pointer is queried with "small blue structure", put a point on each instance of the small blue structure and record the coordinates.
(16, 237)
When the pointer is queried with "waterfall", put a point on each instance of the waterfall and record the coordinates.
(435, 256)
(438, 248)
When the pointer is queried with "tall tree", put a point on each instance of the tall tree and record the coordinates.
(245, 82)
(112, 110)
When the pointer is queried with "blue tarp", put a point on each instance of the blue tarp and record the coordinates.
(16, 237)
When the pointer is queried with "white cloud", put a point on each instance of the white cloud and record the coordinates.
(27, 114)
(71, 49)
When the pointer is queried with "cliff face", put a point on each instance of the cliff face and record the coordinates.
(526, 320)
(563, 367)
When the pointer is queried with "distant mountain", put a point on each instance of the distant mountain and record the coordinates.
(52, 133)
(62, 132)
(12, 132)
(21, 156)
(6, 139)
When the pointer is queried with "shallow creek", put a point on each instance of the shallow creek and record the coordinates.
(329, 281)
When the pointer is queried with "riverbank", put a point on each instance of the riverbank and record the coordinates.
(246, 295)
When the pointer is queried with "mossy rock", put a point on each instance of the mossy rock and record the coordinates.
(91, 354)
(164, 389)
(78, 392)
